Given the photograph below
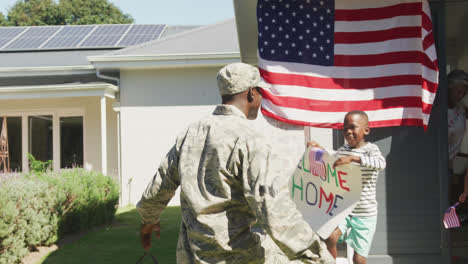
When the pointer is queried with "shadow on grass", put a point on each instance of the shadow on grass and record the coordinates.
(120, 242)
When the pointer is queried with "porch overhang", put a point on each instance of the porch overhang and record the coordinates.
(46, 71)
(58, 91)
(163, 61)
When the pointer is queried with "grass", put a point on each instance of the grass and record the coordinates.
(120, 242)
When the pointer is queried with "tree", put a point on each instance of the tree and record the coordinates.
(65, 12)
(85, 12)
(35, 13)
(3, 21)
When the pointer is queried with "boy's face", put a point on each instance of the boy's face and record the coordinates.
(354, 129)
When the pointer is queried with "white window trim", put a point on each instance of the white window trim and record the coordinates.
(56, 114)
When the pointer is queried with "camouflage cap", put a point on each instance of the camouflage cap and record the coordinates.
(238, 77)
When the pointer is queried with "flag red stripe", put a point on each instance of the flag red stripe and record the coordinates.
(404, 9)
(343, 106)
(428, 41)
(374, 124)
(398, 122)
(426, 108)
(343, 83)
(429, 86)
(377, 36)
(384, 58)
(426, 22)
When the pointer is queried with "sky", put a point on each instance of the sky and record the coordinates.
(172, 12)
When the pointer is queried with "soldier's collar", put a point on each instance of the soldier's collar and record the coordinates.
(224, 109)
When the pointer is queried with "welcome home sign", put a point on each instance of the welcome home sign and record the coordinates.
(323, 194)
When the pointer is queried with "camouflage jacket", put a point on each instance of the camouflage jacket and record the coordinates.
(224, 170)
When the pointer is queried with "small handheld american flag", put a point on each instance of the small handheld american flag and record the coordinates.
(451, 218)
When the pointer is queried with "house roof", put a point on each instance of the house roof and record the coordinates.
(212, 44)
(171, 30)
(48, 60)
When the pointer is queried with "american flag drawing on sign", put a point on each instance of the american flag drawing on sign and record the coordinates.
(451, 218)
(325, 58)
(317, 166)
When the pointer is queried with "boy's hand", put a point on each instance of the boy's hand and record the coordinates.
(346, 160)
(145, 234)
(314, 144)
(463, 196)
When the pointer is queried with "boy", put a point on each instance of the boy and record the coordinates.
(363, 219)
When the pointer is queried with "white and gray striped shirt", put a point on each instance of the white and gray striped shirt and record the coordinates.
(372, 162)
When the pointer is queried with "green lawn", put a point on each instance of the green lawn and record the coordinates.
(120, 242)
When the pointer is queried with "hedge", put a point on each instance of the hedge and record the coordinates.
(37, 209)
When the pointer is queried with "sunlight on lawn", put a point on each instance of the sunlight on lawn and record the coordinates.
(120, 242)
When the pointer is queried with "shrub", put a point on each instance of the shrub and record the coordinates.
(39, 167)
(87, 198)
(36, 210)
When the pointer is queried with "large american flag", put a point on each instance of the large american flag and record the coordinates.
(325, 58)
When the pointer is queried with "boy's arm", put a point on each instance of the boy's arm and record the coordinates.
(374, 160)
(346, 160)
(315, 144)
(466, 182)
(463, 196)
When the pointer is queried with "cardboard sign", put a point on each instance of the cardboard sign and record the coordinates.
(324, 195)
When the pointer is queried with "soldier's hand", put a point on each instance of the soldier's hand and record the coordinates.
(145, 234)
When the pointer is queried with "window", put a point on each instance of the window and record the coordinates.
(40, 137)
(71, 142)
(14, 142)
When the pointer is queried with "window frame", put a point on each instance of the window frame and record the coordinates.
(56, 115)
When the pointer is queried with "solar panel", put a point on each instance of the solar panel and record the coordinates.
(141, 33)
(105, 36)
(33, 38)
(76, 37)
(8, 33)
(69, 37)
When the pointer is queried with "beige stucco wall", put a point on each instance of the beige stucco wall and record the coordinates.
(155, 105)
(158, 104)
(90, 108)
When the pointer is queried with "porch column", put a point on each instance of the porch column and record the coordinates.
(103, 135)
(25, 144)
(56, 142)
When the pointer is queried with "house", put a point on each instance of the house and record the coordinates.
(58, 106)
(131, 100)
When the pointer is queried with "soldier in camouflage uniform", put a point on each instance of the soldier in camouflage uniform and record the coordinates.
(224, 170)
